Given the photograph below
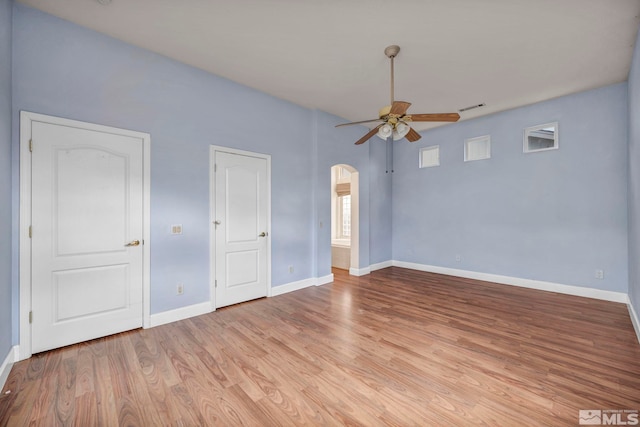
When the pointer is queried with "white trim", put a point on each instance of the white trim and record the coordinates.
(380, 265)
(324, 280)
(5, 368)
(146, 231)
(292, 286)
(179, 314)
(301, 284)
(359, 271)
(341, 243)
(634, 319)
(212, 188)
(26, 119)
(524, 283)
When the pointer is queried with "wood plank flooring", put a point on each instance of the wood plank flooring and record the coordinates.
(396, 347)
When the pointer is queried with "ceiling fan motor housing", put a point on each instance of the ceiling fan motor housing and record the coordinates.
(392, 51)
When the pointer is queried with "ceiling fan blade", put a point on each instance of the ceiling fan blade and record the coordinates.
(399, 107)
(437, 117)
(412, 135)
(368, 135)
(360, 122)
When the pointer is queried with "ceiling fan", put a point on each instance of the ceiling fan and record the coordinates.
(394, 117)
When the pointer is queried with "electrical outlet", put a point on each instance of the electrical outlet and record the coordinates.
(180, 289)
(291, 269)
(599, 274)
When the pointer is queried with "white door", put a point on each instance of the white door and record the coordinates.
(87, 228)
(241, 228)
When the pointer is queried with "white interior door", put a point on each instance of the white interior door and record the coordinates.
(241, 228)
(87, 229)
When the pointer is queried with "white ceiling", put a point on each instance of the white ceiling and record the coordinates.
(328, 54)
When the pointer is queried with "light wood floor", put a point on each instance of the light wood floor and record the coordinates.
(396, 347)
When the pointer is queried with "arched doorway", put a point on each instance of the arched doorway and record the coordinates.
(345, 211)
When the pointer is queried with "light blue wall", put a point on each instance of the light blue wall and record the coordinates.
(5, 178)
(379, 202)
(65, 70)
(554, 216)
(634, 178)
(336, 146)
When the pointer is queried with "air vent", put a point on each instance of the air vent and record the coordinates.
(471, 107)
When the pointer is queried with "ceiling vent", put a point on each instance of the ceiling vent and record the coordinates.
(471, 107)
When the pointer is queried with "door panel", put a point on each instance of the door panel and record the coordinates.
(94, 227)
(236, 266)
(241, 209)
(87, 204)
(101, 289)
(242, 198)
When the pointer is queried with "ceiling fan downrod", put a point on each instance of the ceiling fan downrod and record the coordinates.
(391, 52)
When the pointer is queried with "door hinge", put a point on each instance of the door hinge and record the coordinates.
(216, 283)
(215, 167)
(31, 317)
(30, 232)
(31, 145)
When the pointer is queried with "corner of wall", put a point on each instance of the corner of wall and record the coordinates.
(634, 319)
(7, 296)
(633, 191)
(5, 367)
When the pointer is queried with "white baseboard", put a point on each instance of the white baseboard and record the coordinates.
(634, 319)
(8, 362)
(324, 280)
(359, 271)
(301, 284)
(179, 314)
(524, 283)
(381, 265)
(205, 307)
(292, 286)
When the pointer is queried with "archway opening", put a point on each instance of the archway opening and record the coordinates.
(345, 211)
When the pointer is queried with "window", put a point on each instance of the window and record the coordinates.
(344, 216)
(343, 174)
(478, 148)
(541, 138)
(430, 156)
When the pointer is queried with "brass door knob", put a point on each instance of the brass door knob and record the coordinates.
(263, 234)
(134, 243)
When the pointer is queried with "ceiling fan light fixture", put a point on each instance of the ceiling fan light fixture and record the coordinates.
(394, 116)
(401, 130)
(385, 131)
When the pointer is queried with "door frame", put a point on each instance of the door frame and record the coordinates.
(24, 278)
(213, 149)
